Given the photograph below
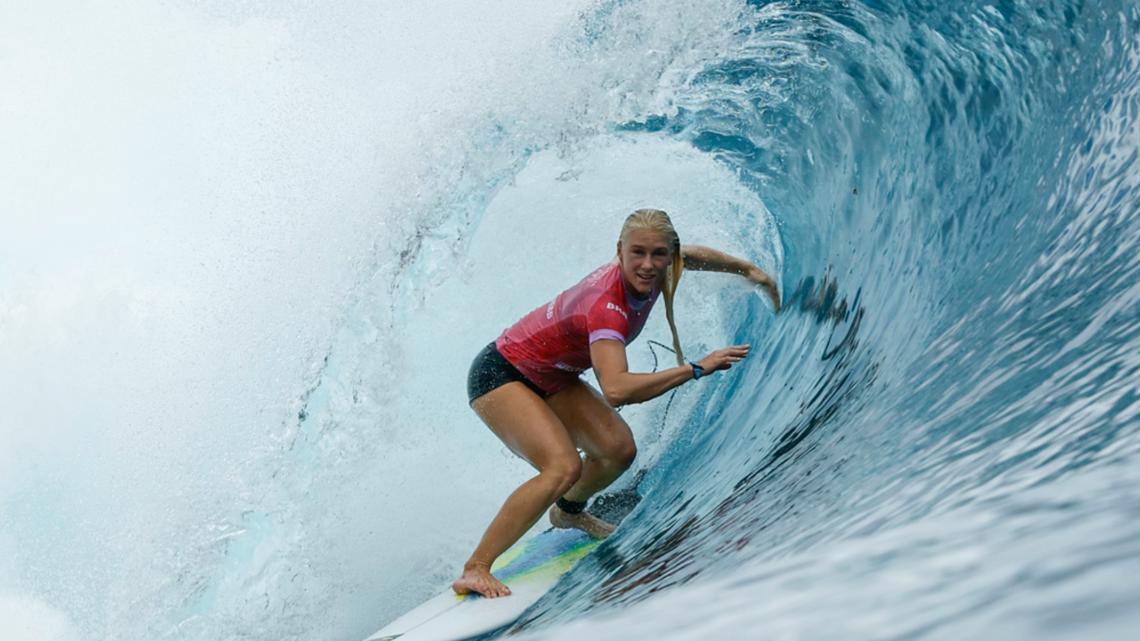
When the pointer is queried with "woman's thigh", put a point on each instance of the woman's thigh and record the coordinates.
(595, 427)
(527, 425)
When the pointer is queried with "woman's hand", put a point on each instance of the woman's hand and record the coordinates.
(757, 276)
(724, 358)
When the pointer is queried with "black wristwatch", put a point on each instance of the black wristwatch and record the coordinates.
(698, 371)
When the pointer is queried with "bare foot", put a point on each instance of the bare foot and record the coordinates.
(477, 578)
(584, 521)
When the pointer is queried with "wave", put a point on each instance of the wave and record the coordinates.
(936, 438)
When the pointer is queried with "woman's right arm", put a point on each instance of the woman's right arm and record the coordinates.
(622, 387)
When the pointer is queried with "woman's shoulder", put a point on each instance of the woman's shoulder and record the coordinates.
(607, 281)
(604, 274)
(600, 285)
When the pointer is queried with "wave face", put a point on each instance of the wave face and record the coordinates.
(266, 434)
(938, 438)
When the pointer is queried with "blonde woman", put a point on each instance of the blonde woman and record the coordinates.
(525, 385)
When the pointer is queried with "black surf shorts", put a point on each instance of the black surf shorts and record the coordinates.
(490, 370)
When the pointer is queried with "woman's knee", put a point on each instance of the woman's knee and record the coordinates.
(563, 473)
(625, 453)
(622, 453)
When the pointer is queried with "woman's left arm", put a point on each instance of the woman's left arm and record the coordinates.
(707, 259)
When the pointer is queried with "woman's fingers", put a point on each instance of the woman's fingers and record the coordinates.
(724, 358)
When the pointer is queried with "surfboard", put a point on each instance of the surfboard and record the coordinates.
(530, 569)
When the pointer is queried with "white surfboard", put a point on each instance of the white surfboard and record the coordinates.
(530, 569)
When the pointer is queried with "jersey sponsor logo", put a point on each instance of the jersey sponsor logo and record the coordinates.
(618, 309)
(569, 368)
(550, 311)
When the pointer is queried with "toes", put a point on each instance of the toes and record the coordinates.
(492, 589)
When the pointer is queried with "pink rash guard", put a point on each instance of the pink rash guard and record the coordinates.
(551, 345)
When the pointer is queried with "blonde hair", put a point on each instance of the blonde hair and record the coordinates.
(658, 221)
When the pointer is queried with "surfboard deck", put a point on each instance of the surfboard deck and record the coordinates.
(530, 568)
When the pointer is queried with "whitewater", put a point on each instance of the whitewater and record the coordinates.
(248, 250)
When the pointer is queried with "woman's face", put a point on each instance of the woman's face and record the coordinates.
(644, 255)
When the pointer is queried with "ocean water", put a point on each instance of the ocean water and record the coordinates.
(249, 250)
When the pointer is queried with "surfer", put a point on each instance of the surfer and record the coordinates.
(525, 384)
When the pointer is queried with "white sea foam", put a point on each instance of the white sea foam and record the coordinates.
(24, 619)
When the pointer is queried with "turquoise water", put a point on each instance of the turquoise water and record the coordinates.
(938, 438)
(237, 320)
